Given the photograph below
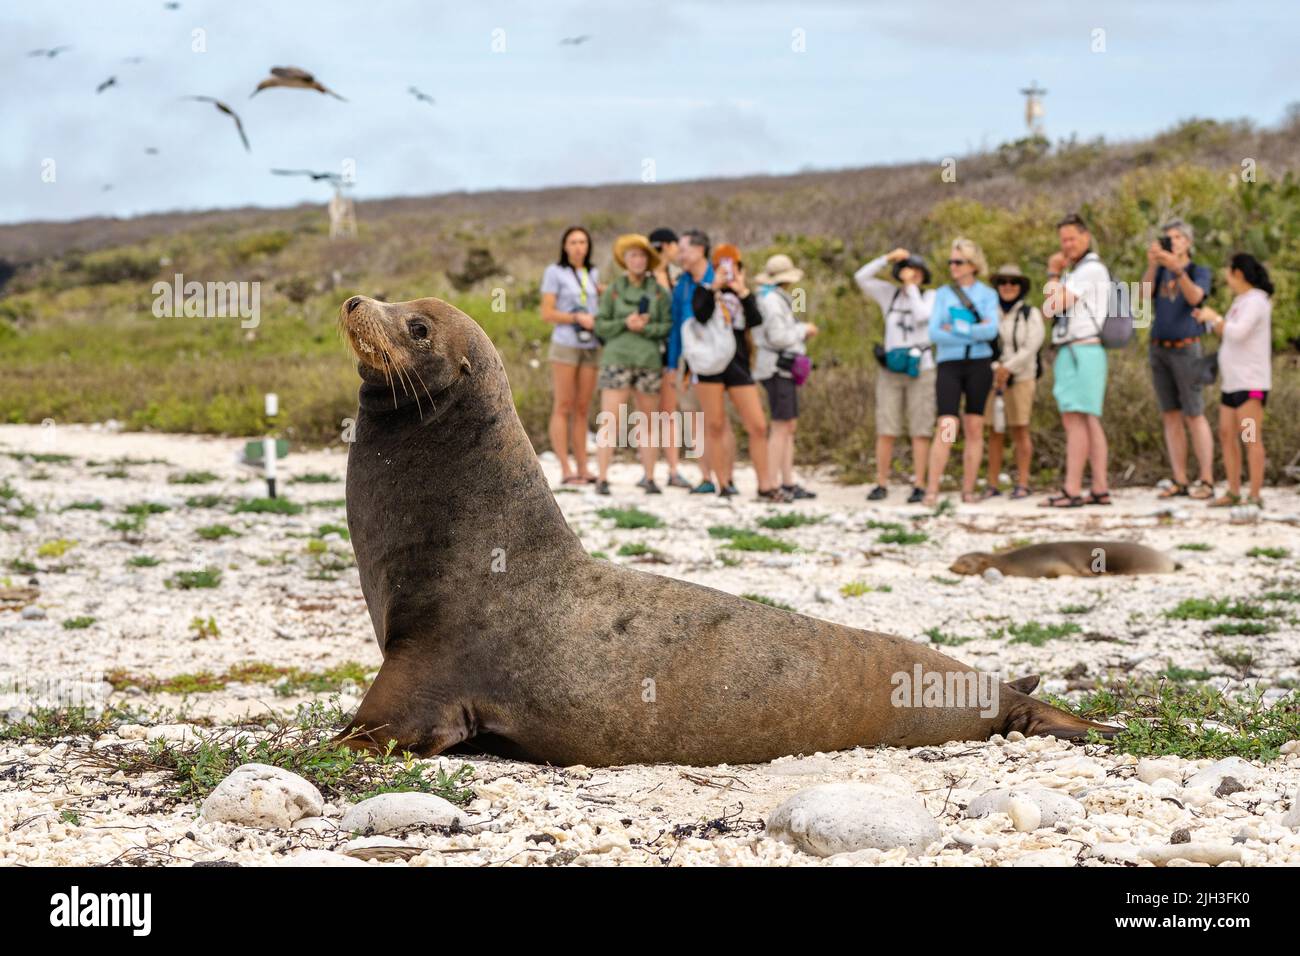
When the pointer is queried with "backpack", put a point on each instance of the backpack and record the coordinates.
(1116, 329)
(709, 346)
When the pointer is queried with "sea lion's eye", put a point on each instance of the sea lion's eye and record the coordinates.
(418, 330)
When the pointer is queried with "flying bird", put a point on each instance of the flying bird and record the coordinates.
(293, 78)
(50, 53)
(171, 6)
(111, 81)
(316, 177)
(229, 112)
(151, 150)
(134, 60)
(422, 97)
(575, 41)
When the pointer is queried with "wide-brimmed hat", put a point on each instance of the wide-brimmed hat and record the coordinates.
(635, 241)
(915, 262)
(1009, 270)
(779, 269)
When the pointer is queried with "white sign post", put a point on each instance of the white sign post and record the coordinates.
(268, 445)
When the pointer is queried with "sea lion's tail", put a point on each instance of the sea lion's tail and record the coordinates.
(1036, 718)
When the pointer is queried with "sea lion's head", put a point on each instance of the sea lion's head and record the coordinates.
(413, 353)
(973, 563)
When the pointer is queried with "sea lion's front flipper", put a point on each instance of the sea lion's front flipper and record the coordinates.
(404, 706)
(1036, 718)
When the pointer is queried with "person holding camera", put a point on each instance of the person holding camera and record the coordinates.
(905, 393)
(1015, 377)
(963, 328)
(633, 321)
(729, 296)
(1178, 286)
(570, 297)
(782, 366)
(1245, 361)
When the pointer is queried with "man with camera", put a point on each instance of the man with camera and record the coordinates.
(1178, 286)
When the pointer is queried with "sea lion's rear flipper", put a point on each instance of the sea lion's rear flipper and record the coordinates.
(1024, 684)
(1036, 718)
(401, 706)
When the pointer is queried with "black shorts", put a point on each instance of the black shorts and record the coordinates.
(733, 376)
(782, 398)
(970, 377)
(1237, 399)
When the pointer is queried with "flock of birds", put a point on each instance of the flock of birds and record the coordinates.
(286, 77)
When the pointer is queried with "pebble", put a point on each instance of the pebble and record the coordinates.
(259, 795)
(1211, 853)
(1051, 806)
(845, 817)
(400, 811)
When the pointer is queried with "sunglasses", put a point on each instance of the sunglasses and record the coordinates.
(958, 262)
(1002, 282)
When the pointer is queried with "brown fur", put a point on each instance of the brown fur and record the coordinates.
(498, 628)
(1060, 559)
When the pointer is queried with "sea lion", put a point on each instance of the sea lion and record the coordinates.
(496, 625)
(1063, 559)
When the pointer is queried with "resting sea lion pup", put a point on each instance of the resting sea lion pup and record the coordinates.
(1063, 559)
(496, 624)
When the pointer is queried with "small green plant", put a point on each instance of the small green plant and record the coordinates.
(1196, 546)
(56, 548)
(215, 532)
(70, 817)
(1240, 659)
(1182, 675)
(78, 623)
(631, 518)
(146, 508)
(202, 629)
(22, 566)
(273, 506)
(941, 579)
(204, 501)
(1271, 554)
(1203, 609)
(190, 580)
(874, 525)
(1039, 634)
(315, 478)
(903, 537)
(600, 555)
(855, 589)
(635, 549)
(937, 636)
(143, 561)
(770, 602)
(192, 478)
(338, 529)
(752, 541)
(790, 519)
(1076, 609)
(95, 505)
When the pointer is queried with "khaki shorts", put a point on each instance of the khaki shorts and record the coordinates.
(572, 355)
(904, 403)
(1019, 401)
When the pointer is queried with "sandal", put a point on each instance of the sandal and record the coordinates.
(969, 497)
(574, 480)
(1175, 490)
(774, 496)
(1099, 498)
(991, 493)
(1228, 499)
(1018, 492)
(1200, 490)
(1063, 500)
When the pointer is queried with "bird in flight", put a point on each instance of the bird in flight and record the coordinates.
(111, 81)
(575, 41)
(229, 112)
(151, 150)
(422, 97)
(293, 78)
(50, 53)
(316, 177)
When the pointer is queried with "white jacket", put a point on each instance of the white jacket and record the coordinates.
(906, 310)
(780, 331)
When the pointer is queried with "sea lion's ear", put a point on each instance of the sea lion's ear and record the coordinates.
(1025, 685)
(465, 365)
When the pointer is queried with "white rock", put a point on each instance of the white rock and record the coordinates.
(1053, 806)
(992, 575)
(1292, 817)
(1151, 769)
(398, 811)
(844, 817)
(1025, 814)
(1044, 858)
(260, 795)
(33, 613)
(380, 848)
(1290, 747)
(1210, 853)
(1213, 775)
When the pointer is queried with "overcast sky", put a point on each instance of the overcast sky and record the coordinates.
(701, 89)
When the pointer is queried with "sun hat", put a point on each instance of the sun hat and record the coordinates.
(1009, 270)
(634, 240)
(779, 269)
(915, 262)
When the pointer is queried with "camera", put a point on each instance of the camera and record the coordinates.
(1166, 243)
(643, 307)
(584, 335)
(728, 269)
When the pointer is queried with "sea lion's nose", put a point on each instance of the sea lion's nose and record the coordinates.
(353, 303)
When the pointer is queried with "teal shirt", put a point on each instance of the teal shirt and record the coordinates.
(623, 346)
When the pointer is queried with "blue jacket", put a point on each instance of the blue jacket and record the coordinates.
(682, 293)
(951, 345)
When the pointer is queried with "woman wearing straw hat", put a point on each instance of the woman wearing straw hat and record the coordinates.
(780, 341)
(1015, 376)
(632, 321)
(729, 294)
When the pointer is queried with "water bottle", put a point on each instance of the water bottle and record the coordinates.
(999, 413)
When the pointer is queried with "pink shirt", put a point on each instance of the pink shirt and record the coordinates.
(1245, 358)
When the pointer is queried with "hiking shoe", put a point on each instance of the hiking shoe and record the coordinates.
(798, 492)
(675, 480)
(704, 488)
(650, 487)
(916, 497)
(602, 487)
(878, 493)
(729, 491)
